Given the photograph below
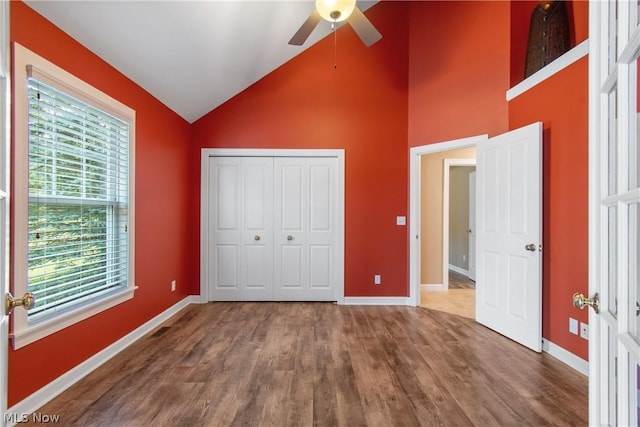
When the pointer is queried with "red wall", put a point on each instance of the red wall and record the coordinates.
(362, 107)
(458, 69)
(561, 103)
(163, 250)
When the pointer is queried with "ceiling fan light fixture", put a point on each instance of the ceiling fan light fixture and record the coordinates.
(335, 10)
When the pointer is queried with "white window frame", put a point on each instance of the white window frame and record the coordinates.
(22, 332)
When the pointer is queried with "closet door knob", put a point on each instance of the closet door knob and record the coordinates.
(289, 237)
(256, 238)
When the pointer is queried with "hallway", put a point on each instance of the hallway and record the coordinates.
(460, 299)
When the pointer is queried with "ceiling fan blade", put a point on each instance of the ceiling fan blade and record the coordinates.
(363, 27)
(305, 30)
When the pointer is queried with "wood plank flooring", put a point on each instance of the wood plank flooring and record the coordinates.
(319, 364)
(460, 281)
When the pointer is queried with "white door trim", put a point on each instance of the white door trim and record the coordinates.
(250, 152)
(448, 163)
(471, 267)
(414, 204)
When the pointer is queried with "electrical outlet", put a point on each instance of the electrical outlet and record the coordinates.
(377, 279)
(173, 286)
(584, 330)
(573, 326)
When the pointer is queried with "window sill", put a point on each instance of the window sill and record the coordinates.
(556, 66)
(26, 336)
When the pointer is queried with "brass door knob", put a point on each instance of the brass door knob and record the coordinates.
(27, 301)
(289, 237)
(580, 302)
(256, 238)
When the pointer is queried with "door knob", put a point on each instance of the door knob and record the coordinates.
(256, 238)
(530, 247)
(289, 237)
(27, 301)
(579, 301)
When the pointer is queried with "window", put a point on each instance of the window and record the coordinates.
(73, 221)
(78, 176)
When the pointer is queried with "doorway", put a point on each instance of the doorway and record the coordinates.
(459, 291)
(427, 233)
(444, 213)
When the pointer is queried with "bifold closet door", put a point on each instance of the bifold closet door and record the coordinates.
(241, 228)
(273, 228)
(305, 215)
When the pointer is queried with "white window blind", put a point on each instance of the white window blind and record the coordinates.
(78, 239)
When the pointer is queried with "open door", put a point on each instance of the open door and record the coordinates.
(509, 235)
(614, 214)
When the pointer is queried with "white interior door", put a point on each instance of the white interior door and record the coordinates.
(509, 235)
(614, 214)
(472, 226)
(4, 199)
(305, 229)
(241, 228)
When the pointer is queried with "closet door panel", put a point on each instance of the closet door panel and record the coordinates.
(322, 188)
(305, 218)
(224, 229)
(241, 229)
(291, 201)
(257, 236)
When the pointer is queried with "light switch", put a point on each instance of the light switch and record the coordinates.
(401, 220)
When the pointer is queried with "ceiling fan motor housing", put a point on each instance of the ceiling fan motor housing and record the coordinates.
(335, 10)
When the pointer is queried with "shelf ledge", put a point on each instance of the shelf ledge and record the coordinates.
(549, 70)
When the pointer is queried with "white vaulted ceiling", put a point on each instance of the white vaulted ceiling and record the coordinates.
(191, 55)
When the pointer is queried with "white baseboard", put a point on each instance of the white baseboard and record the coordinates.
(38, 399)
(433, 287)
(566, 357)
(376, 301)
(459, 270)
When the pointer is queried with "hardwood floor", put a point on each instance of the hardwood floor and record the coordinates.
(306, 364)
(460, 281)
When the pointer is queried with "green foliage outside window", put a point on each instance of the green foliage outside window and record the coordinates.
(78, 191)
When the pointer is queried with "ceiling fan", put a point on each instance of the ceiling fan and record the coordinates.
(336, 11)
